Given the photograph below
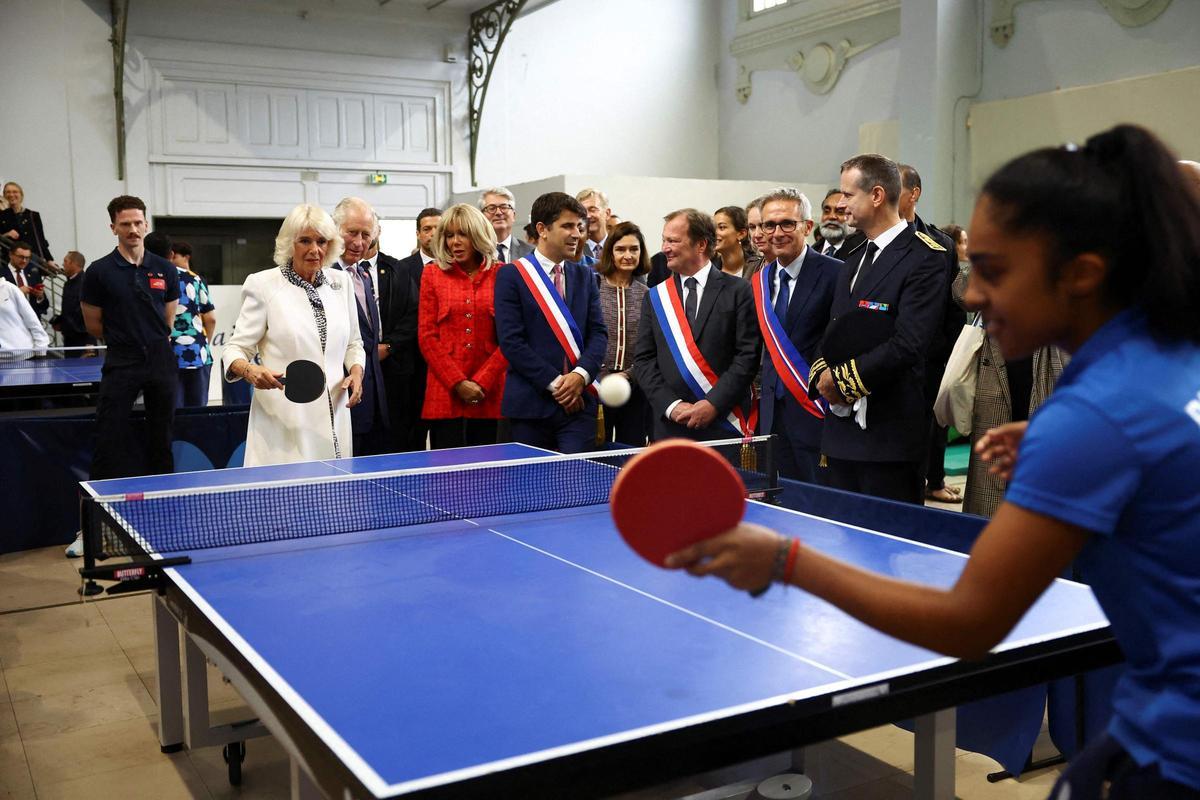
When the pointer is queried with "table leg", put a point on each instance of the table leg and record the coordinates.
(169, 691)
(303, 787)
(934, 770)
(195, 696)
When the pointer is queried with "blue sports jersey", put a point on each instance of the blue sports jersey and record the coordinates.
(1116, 450)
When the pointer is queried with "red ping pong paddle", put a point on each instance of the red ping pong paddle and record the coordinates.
(303, 382)
(673, 494)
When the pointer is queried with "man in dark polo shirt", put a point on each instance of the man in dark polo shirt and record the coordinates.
(128, 298)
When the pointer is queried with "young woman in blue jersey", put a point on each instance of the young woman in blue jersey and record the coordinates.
(1095, 249)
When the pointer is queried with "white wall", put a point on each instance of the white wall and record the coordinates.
(785, 128)
(64, 152)
(786, 131)
(614, 87)
(645, 200)
(1070, 43)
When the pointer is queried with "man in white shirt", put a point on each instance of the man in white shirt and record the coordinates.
(900, 273)
(719, 315)
(595, 203)
(20, 330)
(551, 330)
(500, 207)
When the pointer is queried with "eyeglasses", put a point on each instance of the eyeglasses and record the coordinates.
(785, 225)
(494, 207)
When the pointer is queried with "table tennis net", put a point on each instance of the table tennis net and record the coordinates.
(26, 358)
(197, 519)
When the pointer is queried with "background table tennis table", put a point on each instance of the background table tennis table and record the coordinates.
(50, 377)
(537, 654)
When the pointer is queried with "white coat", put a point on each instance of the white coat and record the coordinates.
(277, 323)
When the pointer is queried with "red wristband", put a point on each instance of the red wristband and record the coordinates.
(793, 551)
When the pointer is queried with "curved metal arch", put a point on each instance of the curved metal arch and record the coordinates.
(489, 26)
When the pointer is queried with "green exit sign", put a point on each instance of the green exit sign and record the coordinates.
(377, 178)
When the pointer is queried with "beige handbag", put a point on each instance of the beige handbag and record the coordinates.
(955, 401)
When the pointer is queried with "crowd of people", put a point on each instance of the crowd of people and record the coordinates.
(740, 325)
(490, 331)
(482, 335)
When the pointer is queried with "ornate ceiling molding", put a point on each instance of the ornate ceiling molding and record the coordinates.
(814, 38)
(1130, 13)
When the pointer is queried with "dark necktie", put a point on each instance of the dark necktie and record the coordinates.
(865, 264)
(781, 306)
(689, 302)
(503, 258)
(364, 271)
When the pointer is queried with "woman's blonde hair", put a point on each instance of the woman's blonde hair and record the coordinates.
(300, 219)
(471, 221)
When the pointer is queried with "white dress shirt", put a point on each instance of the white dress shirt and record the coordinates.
(793, 271)
(881, 241)
(701, 277)
(548, 266)
(19, 326)
(507, 244)
(595, 249)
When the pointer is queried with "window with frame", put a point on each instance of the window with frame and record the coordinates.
(759, 6)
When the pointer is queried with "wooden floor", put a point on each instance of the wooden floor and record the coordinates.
(77, 714)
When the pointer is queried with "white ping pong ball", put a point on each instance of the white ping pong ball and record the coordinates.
(614, 390)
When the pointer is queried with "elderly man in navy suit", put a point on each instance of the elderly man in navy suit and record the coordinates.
(551, 330)
(357, 221)
(793, 295)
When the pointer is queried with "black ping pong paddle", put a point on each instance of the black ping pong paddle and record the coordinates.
(303, 382)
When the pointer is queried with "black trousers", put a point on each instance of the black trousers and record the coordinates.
(628, 423)
(405, 394)
(1104, 770)
(152, 372)
(461, 432)
(891, 480)
(935, 472)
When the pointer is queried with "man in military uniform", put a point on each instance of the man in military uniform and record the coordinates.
(900, 272)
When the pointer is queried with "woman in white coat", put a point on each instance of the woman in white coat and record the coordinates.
(299, 310)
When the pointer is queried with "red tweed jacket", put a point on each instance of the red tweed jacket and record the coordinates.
(456, 331)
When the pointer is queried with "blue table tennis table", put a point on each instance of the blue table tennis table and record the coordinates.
(536, 655)
(50, 377)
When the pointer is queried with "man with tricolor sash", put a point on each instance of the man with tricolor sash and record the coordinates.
(551, 330)
(792, 297)
(698, 346)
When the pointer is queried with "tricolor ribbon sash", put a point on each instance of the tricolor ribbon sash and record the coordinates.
(553, 307)
(790, 366)
(696, 372)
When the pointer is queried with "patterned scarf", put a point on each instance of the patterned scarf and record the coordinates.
(318, 308)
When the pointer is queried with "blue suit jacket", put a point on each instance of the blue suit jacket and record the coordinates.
(362, 416)
(535, 358)
(807, 318)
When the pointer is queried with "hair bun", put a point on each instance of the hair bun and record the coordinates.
(1111, 145)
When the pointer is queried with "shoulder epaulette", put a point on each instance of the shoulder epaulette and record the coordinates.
(929, 240)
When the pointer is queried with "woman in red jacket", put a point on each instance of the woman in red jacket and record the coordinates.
(457, 332)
